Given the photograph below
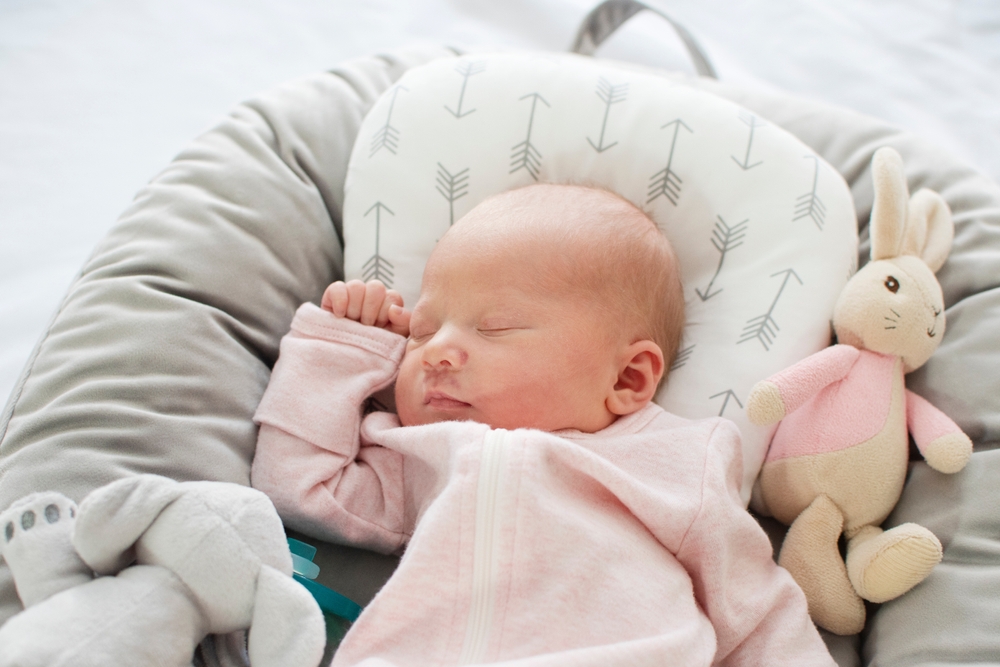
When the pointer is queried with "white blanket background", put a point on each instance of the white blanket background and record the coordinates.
(96, 96)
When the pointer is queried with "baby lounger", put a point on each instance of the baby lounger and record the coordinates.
(163, 345)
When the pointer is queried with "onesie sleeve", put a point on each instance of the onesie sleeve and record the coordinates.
(310, 459)
(758, 611)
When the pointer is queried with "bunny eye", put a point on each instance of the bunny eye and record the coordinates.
(892, 284)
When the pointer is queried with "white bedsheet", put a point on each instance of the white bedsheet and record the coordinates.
(96, 96)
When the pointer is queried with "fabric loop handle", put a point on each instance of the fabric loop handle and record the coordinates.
(608, 16)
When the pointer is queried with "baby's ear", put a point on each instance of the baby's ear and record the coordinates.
(638, 376)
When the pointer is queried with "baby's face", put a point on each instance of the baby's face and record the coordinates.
(494, 340)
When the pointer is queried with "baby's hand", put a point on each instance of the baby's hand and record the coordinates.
(368, 303)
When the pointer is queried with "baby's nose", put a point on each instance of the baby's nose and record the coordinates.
(444, 350)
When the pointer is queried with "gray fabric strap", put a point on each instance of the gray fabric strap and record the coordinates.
(608, 16)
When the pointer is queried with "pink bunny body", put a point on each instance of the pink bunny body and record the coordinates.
(846, 435)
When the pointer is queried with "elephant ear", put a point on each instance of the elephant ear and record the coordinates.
(112, 518)
(888, 220)
(287, 629)
(930, 229)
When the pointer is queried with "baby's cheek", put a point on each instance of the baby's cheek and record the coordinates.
(407, 401)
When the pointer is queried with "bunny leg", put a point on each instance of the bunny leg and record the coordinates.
(884, 565)
(36, 541)
(811, 554)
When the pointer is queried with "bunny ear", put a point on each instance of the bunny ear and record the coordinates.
(929, 228)
(888, 219)
(113, 517)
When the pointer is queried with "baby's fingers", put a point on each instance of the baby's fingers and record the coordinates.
(399, 320)
(374, 299)
(392, 298)
(355, 300)
(367, 303)
(335, 298)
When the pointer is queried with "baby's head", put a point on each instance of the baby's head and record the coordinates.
(550, 307)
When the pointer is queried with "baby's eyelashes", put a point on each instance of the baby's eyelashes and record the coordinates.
(419, 337)
(497, 331)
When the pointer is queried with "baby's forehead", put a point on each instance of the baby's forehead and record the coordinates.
(548, 213)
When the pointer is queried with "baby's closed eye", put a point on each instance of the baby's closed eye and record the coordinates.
(500, 327)
(497, 331)
(419, 334)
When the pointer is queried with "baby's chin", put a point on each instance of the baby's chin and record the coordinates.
(509, 422)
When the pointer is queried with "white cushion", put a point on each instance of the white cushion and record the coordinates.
(764, 228)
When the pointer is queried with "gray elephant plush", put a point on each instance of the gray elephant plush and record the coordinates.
(174, 562)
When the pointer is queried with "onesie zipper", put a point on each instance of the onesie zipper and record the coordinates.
(484, 554)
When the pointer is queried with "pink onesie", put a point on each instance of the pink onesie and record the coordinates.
(625, 547)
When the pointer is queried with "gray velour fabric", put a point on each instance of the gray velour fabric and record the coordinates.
(163, 346)
(953, 617)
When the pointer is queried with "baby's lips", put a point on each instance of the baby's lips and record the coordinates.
(441, 400)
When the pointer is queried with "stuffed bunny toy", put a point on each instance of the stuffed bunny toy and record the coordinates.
(175, 563)
(838, 459)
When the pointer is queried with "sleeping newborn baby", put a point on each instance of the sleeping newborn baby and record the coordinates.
(549, 510)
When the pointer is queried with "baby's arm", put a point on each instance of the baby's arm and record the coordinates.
(758, 611)
(310, 459)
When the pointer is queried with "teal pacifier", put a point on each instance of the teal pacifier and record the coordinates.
(305, 571)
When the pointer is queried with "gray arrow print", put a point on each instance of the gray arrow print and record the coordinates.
(666, 182)
(750, 121)
(465, 69)
(610, 95)
(683, 355)
(387, 136)
(725, 239)
(763, 327)
(810, 205)
(524, 155)
(452, 187)
(730, 395)
(377, 267)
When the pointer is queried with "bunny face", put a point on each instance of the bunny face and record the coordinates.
(892, 306)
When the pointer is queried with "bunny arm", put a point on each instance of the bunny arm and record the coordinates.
(788, 390)
(310, 460)
(941, 442)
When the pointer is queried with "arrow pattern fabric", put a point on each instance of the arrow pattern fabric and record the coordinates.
(764, 228)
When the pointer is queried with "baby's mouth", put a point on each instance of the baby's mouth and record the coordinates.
(442, 401)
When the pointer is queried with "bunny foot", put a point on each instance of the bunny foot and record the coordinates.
(35, 540)
(884, 565)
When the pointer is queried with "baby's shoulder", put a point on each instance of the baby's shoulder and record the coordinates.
(663, 422)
